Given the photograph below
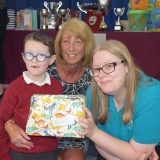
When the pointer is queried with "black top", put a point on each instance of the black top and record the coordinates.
(2, 4)
(79, 87)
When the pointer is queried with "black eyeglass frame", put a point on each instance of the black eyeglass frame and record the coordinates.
(46, 57)
(114, 64)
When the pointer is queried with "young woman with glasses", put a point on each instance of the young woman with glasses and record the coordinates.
(124, 103)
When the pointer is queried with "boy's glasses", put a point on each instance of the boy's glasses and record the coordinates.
(107, 68)
(39, 57)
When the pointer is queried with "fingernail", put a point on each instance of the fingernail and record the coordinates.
(32, 146)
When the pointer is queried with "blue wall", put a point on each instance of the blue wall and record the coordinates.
(109, 19)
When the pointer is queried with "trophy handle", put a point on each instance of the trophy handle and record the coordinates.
(123, 9)
(115, 11)
(46, 5)
(79, 6)
(68, 11)
(59, 5)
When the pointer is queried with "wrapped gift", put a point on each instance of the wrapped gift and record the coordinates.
(55, 115)
(26, 19)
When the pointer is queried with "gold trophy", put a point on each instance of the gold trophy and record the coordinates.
(104, 6)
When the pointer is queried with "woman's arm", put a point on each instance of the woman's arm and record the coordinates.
(144, 156)
(17, 135)
(110, 145)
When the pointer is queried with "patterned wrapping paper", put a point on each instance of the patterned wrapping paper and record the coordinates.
(55, 115)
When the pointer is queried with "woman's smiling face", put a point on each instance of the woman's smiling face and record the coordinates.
(73, 49)
(111, 83)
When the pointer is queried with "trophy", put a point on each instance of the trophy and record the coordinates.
(118, 25)
(45, 14)
(52, 8)
(104, 6)
(63, 13)
(93, 15)
(84, 7)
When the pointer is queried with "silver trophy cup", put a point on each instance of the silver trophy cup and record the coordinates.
(63, 13)
(104, 6)
(44, 14)
(52, 8)
(85, 7)
(118, 12)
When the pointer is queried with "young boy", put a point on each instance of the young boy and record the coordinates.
(37, 55)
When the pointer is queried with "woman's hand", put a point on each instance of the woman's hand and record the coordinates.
(154, 155)
(18, 136)
(146, 156)
(90, 128)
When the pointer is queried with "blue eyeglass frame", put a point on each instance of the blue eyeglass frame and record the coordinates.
(23, 54)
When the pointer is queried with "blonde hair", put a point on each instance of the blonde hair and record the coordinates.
(81, 30)
(99, 100)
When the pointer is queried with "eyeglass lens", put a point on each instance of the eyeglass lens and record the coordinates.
(108, 68)
(40, 57)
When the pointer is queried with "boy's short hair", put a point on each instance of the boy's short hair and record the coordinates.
(41, 37)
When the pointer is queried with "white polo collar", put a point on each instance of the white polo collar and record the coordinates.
(29, 80)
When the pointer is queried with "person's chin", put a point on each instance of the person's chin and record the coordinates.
(106, 90)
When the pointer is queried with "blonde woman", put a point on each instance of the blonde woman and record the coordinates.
(125, 104)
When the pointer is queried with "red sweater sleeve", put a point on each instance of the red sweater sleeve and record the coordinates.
(4, 153)
(6, 112)
(16, 104)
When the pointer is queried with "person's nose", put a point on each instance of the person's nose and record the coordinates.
(71, 46)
